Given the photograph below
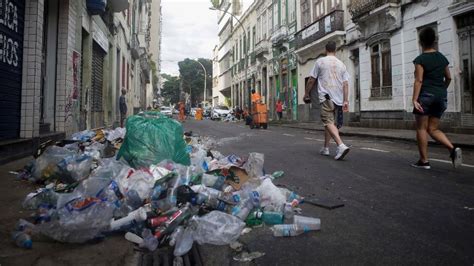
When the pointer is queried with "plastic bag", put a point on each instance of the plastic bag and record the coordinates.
(45, 166)
(254, 165)
(151, 138)
(80, 220)
(184, 242)
(140, 181)
(217, 228)
(271, 196)
(44, 195)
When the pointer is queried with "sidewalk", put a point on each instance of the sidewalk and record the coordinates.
(113, 250)
(461, 140)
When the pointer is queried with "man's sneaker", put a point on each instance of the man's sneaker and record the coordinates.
(324, 151)
(422, 165)
(456, 157)
(341, 151)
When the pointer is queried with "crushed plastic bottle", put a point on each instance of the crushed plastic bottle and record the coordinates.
(149, 241)
(280, 230)
(278, 174)
(22, 239)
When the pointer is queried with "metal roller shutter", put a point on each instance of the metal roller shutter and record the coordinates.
(11, 58)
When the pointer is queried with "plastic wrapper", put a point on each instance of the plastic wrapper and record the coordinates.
(271, 197)
(217, 228)
(83, 135)
(118, 133)
(151, 138)
(44, 195)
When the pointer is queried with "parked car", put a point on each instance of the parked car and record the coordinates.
(219, 112)
(166, 111)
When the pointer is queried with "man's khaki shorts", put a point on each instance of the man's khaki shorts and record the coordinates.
(330, 113)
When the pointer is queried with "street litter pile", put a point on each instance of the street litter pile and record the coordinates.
(164, 187)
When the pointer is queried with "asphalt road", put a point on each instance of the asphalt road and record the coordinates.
(393, 213)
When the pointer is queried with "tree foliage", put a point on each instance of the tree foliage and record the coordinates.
(170, 91)
(192, 76)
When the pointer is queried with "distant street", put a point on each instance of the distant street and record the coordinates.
(393, 213)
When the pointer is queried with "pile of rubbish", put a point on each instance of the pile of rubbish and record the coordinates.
(163, 187)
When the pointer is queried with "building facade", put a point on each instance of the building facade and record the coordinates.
(377, 41)
(64, 62)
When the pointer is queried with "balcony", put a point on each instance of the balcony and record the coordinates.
(376, 16)
(145, 65)
(359, 8)
(135, 47)
(280, 35)
(262, 48)
(327, 25)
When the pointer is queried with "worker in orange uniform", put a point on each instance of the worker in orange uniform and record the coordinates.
(181, 111)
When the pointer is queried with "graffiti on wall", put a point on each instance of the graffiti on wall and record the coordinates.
(72, 103)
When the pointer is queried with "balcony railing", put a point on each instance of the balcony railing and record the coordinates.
(135, 46)
(328, 24)
(358, 8)
(261, 48)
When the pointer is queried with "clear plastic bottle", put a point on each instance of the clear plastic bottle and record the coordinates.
(174, 221)
(280, 230)
(22, 239)
(149, 242)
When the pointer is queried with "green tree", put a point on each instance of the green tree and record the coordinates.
(170, 91)
(192, 77)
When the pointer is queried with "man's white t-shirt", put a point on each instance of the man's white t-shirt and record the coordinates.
(331, 73)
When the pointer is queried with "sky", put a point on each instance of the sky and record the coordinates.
(189, 31)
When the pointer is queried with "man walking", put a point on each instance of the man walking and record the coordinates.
(333, 86)
(123, 107)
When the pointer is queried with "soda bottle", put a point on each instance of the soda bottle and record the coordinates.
(174, 221)
(22, 239)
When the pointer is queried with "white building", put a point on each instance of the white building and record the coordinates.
(383, 44)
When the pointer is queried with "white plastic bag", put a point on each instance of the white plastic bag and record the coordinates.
(217, 228)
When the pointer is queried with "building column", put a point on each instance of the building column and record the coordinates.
(64, 79)
(31, 77)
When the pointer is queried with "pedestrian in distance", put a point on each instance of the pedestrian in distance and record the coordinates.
(332, 79)
(279, 109)
(432, 79)
(182, 110)
(123, 107)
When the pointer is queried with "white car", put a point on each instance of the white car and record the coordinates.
(219, 112)
(166, 111)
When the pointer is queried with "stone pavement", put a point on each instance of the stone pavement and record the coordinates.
(461, 140)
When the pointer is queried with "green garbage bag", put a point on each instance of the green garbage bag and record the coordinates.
(151, 138)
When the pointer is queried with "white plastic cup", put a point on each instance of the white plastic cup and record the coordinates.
(133, 238)
(137, 215)
(307, 223)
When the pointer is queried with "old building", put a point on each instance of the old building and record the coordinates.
(383, 42)
(64, 64)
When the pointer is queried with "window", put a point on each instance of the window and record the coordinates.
(291, 11)
(259, 30)
(264, 25)
(283, 12)
(254, 35)
(381, 65)
(269, 25)
(305, 13)
(276, 22)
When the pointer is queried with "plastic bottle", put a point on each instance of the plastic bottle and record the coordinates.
(288, 212)
(133, 238)
(307, 223)
(208, 180)
(22, 239)
(277, 174)
(149, 242)
(267, 217)
(286, 230)
(137, 215)
(174, 221)
(157, 221)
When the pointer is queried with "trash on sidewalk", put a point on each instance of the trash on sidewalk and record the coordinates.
(163, 188)
(246, 256)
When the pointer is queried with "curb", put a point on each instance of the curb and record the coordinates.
(353, 134)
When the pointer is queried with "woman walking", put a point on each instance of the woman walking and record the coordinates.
(279, 109)
(432, 78)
